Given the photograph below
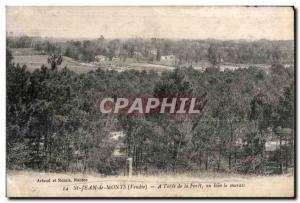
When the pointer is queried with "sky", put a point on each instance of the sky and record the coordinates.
(224, 23)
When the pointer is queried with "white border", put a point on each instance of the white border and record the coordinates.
(4, 3)
(149, 2)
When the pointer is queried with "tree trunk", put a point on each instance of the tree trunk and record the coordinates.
(286, 153)
(230, 145)
(200, 160)
(206, 161)
(176, 155)
(219, 159)
(280, 155)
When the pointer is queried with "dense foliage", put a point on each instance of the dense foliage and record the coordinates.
(54, 124)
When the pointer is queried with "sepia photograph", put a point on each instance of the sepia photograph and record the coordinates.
(150, 101)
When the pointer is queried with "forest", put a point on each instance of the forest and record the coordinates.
(53, 122)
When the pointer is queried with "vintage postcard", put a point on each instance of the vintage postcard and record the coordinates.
(141, 101)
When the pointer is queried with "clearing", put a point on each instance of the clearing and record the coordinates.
(34, 59)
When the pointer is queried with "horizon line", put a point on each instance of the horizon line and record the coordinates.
(144, 38)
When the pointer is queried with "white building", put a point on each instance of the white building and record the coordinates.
(167, 58)
(100, 58)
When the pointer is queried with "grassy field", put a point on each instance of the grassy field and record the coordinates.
(26, 52)
(34, 59)
(33, 184)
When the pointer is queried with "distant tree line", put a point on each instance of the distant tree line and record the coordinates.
(187, 52)
(53, 122)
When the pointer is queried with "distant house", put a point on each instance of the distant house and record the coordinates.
(100, 58)
(167, 58)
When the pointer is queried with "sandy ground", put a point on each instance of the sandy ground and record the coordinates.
(33, 184)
